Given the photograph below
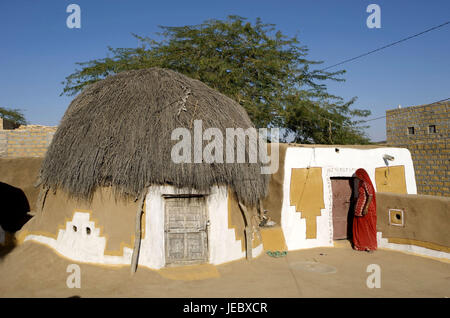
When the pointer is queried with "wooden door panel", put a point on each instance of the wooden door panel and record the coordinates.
(175, 247)
(339, 229)
(342, 189)
(195, 246)
(185, 227)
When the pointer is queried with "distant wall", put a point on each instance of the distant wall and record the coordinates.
(26, 141)
(422, 220)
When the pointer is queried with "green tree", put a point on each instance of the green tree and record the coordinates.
(256, 65)
(14, 115)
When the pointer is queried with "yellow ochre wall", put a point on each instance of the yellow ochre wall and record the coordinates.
(391, 179)
(306, 194)
(236, 221)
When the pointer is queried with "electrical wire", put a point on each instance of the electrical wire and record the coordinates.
(386, 46)
(365, 121)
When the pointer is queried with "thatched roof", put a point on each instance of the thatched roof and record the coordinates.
(117, 132)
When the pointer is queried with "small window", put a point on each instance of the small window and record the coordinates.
(74, 228)
(88, 231)
(432, 129)
(411, 131)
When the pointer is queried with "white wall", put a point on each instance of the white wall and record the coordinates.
(223, 246)
(334, 164)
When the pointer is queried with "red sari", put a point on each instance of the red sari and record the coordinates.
(365, 226)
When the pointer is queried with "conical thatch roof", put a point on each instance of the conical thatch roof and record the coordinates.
(117, 132)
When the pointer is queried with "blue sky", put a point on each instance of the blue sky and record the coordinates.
(37, 50)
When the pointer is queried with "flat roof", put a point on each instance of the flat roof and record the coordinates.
(340, 146)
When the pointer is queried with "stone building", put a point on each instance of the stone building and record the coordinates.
(25, 140)
(424, 130)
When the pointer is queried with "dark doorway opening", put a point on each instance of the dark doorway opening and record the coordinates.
(14, 208)
(342, 207)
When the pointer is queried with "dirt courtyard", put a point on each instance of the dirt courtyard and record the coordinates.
(33, 270)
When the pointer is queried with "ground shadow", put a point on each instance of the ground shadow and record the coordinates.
(8, 246)
(14, 208)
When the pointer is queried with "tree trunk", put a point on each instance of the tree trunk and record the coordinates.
(137, 234)
(248, 231)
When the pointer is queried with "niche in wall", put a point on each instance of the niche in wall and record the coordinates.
(396, 217)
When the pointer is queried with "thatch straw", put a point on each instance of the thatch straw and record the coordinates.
(117, 132)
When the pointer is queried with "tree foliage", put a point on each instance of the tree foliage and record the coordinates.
(256, 65)
(14, 115)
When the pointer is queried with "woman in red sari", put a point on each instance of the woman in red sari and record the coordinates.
(365, 217)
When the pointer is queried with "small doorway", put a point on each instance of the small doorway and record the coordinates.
(342, 208)
(186, 240)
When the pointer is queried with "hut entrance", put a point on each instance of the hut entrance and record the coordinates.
(186, 240)
(342, 189)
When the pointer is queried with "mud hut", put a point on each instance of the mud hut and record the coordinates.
(111, 192)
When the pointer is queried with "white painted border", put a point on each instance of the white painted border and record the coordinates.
(384, 243)
(81, 247)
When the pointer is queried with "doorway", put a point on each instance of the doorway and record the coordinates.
(185, 228)
(342, 208)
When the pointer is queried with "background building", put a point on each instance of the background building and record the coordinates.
(25, 140)
(424, 130)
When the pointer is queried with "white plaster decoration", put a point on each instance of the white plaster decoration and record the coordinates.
(384, 243)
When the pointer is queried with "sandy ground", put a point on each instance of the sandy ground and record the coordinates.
(33, 270)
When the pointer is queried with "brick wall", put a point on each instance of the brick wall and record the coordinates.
(430, 150)
(26, 141)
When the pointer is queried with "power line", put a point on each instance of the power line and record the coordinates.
(362, 121)
(386, 46)
(365, 121)
(442, 100)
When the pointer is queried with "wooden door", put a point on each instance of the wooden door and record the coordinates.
(185, 230)
(342, 189)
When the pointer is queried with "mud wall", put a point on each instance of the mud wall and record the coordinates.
(114, 217)
(421, 220)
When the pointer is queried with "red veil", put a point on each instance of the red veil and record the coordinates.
(365, 226)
